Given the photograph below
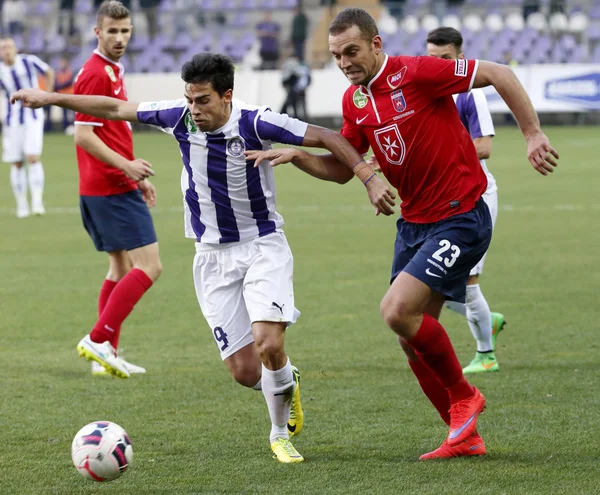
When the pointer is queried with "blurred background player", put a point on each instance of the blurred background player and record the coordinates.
(446, 43)
(64, 84)
(114, 196)
(23, 129)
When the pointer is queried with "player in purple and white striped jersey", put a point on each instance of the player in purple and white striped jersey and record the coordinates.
(446, 42)
(23, 129)
(243, 266)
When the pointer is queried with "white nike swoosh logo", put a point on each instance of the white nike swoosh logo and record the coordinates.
(429, 272)
(117, 91)
(358, 121)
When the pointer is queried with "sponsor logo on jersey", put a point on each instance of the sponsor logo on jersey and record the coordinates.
(460, 69)
(235, 146)
(395, 80)
(398, 101)
(190, 124)
(583, 90)
(360, 100)
(391, 144)
(111, 73)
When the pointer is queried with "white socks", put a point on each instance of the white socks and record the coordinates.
(278, 388)
(18, 181)
(36, 185)
(478, 316)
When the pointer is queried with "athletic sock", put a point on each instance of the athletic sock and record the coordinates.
(479, 318)
(457, 307)
(105, 292)
(278, 388)
(435, 349)
(432, 388)
(128, 291)
(36, 184)
(18, 181)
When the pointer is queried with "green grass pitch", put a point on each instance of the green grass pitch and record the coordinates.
(195, 431)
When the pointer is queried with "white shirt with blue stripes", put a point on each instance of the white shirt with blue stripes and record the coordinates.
(22, 74)
(226, 199)
(475, 115)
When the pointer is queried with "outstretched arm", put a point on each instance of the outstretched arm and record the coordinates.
(539, 152)
(340, 166)
(102, 107)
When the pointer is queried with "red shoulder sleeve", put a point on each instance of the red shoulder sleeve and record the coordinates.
(90, 82)
(441, 77)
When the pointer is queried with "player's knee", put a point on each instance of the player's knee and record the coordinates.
(152, 268)
(31, 159)
(246, 374)
(396, 314)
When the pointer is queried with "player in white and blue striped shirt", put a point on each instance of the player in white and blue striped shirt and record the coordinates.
(243, 266)
(23, 128)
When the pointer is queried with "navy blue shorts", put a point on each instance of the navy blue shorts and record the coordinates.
(442, 254)
(117, 222)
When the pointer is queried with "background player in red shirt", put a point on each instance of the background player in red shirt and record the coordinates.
(113, 195)
(402, 107)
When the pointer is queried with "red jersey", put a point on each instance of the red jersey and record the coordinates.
(408, 117)
(100, 76)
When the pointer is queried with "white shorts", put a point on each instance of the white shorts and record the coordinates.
(19, 141)
(242, 283)
(491, 200)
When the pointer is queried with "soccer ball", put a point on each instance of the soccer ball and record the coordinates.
(101, 451)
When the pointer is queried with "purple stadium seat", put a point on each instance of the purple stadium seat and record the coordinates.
(268, 4)
(246, 40)
(182, 41)
(83, 6)
(208, 5)
(249, 5)
(289, 4)
(240, 20)
(56, 44)
(595, 12)
(35, 42)
(138, 42)
(228, 5)
(579, 55)
(593, 32)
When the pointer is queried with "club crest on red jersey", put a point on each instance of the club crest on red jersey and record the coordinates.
(398, 101)
(391, 144)
(395, 80)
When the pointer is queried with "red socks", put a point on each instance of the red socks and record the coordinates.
(432, 388)
(124, 296)
(435, 350)
(105, 291)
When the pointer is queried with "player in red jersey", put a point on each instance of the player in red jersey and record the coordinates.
(114, 190)
(402, 107)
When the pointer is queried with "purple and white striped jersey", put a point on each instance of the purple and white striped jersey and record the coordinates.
(226, 199)
(23, 74)
(475, 115)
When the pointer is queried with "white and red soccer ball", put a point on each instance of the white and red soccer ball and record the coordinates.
(101, 451)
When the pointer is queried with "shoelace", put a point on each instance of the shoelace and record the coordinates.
(456, 411)
(288, 447)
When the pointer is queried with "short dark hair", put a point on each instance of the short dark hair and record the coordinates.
(113, 9)
(445, 36)
(355, 17)
(214, 68)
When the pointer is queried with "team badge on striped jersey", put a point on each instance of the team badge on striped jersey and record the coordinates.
(235, 146)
